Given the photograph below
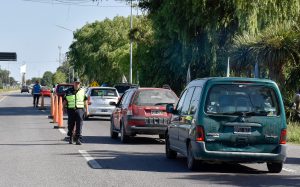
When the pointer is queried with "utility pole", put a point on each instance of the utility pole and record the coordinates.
(59, 57)
(130, 74)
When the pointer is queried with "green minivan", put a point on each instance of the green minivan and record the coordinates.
(228, 119)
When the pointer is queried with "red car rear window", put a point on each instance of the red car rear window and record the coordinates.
(155, 97)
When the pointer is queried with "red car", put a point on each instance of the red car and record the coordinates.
(142, 111)
(45, 91)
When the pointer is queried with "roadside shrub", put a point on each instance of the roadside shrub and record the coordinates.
(293, 135)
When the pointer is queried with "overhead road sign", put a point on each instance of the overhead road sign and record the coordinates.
(8, 56)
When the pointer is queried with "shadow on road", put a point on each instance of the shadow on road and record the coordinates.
(157, 162)
(96, 118)
(132, 141)
(247, 180)
(292, 160)
(21, 111)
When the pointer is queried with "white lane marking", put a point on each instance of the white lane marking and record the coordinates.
(91, 161)
(3, 98)
(289, 170)
(62, 131)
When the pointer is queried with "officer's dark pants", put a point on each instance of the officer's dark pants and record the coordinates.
(75, 117)
(36, 99)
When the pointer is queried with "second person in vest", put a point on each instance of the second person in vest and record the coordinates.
(75, 100)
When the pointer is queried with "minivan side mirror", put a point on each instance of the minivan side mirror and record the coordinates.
(170, 109)
(113, 103)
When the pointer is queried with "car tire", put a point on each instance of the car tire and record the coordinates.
(170, 154)
(113, 134)
(274, 167)
(124, 137)
(192, 163)
(162, 136)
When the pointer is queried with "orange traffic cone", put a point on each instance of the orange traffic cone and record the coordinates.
(60, 114)
(55, 108)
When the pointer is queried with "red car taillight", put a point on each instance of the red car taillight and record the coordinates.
(199, 133)
(283, 136)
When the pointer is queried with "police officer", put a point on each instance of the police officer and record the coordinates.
(75, 100)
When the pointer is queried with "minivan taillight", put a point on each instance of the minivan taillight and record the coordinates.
(199, 133)
(283, 136)
(89, 100)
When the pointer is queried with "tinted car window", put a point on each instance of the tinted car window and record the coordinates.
(234, 99)
(122, 89)
(155, 97)
(104, 92)
(61, 89)
(187, 101)
(128, 98)
(123, 99)
(180, 103)
(195, 100)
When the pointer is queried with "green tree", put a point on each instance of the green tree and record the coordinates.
(100, 50)
(4, 76)
(47, 79)
(200, 32)
(59, 77)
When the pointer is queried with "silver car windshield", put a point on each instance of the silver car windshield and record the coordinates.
(104, 92)
(242, 99)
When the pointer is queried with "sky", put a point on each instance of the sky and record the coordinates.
(36, 29)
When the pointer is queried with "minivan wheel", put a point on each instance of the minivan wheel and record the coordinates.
(113, 134)
(124, 137)
(274, 167)
(192, 163)
(170, 154)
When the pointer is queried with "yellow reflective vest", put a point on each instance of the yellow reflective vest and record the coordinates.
(76, 100)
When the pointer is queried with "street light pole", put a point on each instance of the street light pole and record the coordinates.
(130, 74)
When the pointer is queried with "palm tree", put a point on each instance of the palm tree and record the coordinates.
(272, 49)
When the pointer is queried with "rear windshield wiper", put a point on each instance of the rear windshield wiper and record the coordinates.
(249, 113)
(162, 103)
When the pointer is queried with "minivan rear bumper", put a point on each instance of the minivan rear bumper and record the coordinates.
(201, 153)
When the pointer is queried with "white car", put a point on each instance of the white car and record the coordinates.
(99, 99)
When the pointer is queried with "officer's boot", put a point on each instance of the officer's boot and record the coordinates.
(78, 140)
(71, 139)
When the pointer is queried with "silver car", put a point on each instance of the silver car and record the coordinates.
(99, 99)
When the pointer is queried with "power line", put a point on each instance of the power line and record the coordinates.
(82, 3)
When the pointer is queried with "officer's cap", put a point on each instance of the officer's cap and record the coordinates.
(76, 80)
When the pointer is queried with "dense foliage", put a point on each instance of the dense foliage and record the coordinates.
(5, 79)
(201, 34)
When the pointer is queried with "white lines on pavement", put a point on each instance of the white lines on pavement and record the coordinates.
(3, 98)
(91, 161)
(289, 170)
(62, 131)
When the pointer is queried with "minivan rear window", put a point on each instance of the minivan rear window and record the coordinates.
(242, 99)
(104, 92)
(122, 89)
(155, 97)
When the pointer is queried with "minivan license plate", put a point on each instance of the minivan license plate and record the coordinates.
(242, 130)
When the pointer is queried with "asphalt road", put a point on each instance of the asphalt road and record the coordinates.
(33, 153)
